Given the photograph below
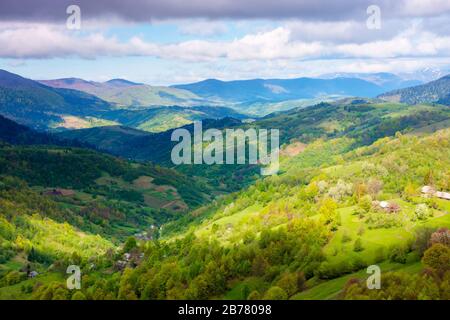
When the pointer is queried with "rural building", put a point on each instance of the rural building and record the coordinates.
(33, 274)
(428, 191)
(389, 207)
(443, 195)
(60, 192)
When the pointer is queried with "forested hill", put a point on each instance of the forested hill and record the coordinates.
(437, 91)
(87, 178)
(14, 133)
(38, 106)
(362, 119)
(309, 233)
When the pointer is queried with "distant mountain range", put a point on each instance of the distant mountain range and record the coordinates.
(73, 103)
(126, 94)
(437, 91)
(260, 90)
(67, 104)
(388, 81)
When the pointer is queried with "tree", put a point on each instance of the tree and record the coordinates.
(422, 212)
(398, 254)
(360, 190)
(422, 240)
(275, 293)
(245, 291)
(288, 282)
(340, 190)
(409, 191)
(130, 244)
(78, 296)
(437, 257)
(374, 186)
(428, 180)
(441, 236)
(365, 203)
(357, 246)
(328, 210)
(254, 295)
(311, 191)
(259, 265)
(301, 281)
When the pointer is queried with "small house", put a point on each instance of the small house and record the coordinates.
(393, 208)
(428, 190)
(60, 192)
(431, 192)
(120, 265)
(33, 274)
(443, 195)
(386, 206)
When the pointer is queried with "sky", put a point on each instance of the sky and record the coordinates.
(163, 42)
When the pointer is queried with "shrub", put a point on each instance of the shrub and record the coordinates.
(422, 212)
(346, 237)
(365, 203)
(78, 296)
(288, 282)
(275, 293)
(422, 240)
(441, 236)
(398, 254)
(437, 257)
(14, 277)
(254, 295)
(357, 246)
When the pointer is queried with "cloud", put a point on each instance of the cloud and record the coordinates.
(203, 28)
(16, 63)
(345, 31)
(425, 8)
(43, 41)
(147, 10)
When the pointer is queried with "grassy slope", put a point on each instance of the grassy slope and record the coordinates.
(408, 151)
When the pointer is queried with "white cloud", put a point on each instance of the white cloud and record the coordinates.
(424, 8)
(203, 28)
(42, 41)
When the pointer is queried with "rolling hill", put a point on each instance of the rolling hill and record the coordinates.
(14, 133)
(45, 163)
(67, 104)
(160, 119)
(365, 119)
(126, 94)
(349, 194)
(36, 105)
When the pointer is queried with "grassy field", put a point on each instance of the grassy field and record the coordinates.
(15, 292)
(330, 289)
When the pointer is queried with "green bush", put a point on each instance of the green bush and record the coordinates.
(275, 293)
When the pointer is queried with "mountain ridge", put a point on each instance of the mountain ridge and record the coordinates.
(437, 91)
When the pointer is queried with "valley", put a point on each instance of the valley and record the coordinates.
(104, 195)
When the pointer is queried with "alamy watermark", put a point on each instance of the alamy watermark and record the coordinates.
(373, 22)
(374, 280)
(73, 21)
(210, 147)
(74, 280)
